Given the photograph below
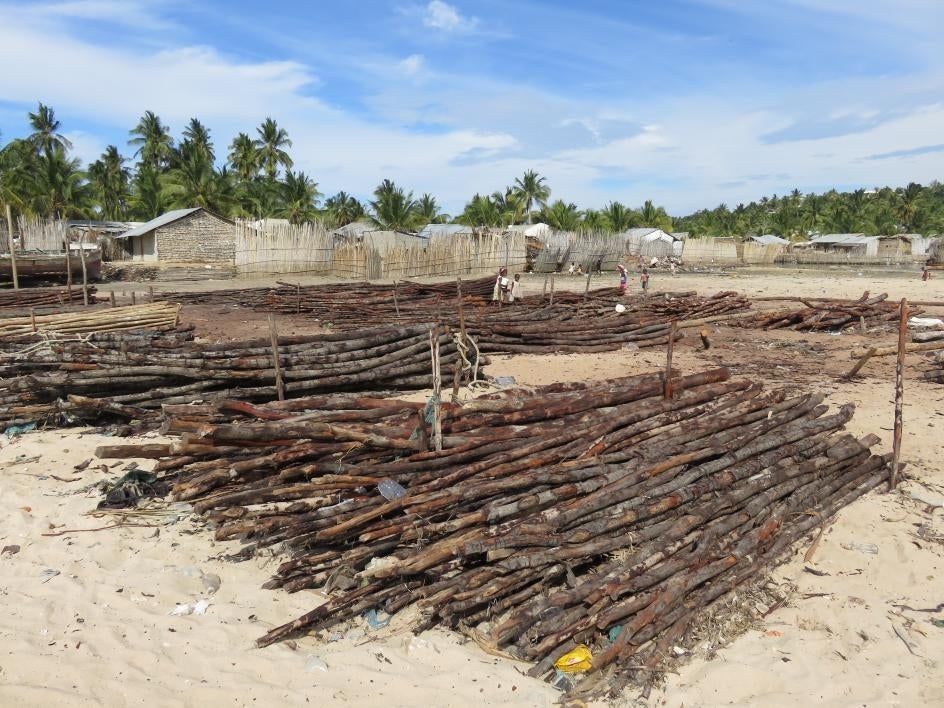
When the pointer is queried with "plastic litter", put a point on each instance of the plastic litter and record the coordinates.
(15, 430)
(580, 658)
(390, 490)
(12, 549)
(870, 548)
(211, 583)
(505, 381)
(48, 574)
(191, 608)
(620, 308)
(614, 632)
(373, 621)
(315, 663)
(562, 682)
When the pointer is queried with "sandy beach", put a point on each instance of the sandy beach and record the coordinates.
(89, 614)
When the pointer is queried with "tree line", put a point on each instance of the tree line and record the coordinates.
(255, 178)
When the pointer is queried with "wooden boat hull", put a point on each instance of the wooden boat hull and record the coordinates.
(45, 265)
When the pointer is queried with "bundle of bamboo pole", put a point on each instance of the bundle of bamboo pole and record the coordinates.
(155, 315)
(600, 514)
(137, 374)
(35, 297)
(832, 315)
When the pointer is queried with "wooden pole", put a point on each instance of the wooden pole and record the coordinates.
(16, 278)
(544, 291)
(84, 271)
(552, 289)
(586, 290)
(274, 334)
(899, 392)
(112, 298)
(457, 379)
(151, 293)
(298, 299)
(862, 327)
(33, 318)
(133, 298)
(859, 364)
(65, 243)
(705, 342)
(437, 388)
(396, 299)
(667, 389)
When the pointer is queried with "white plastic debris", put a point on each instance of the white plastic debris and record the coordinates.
(869, 548)
(191, 608)
(315, 663)
(620, 307)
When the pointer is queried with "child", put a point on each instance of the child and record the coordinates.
(514, 292)
(572, 268)
(644, 279)
(622, 278)
(501, 286)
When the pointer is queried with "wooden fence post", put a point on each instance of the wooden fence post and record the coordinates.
(667, 388)
(274, 334)
(899, 392)
(16, 277)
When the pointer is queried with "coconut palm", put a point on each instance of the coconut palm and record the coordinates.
(198, 135)
(299, 198)
(149, 198)
(429, 210)
(533, 190)
(152, 138)
(46, 137)
(481, 212)
(60, 188)
(908, 207)
(270, 146)
(593, 221)
(563, 216)
(18, 170)
(394, 209)
(193, 182)
(343, 209)
(110, 181)
(510, 205)
(619, 217)
(244, 157)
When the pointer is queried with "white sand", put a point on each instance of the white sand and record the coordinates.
(99, 633)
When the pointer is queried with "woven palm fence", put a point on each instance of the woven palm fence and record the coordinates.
(283, 248)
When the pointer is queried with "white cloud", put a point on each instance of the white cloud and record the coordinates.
(443, 16)
(412, 64)
(131, 13)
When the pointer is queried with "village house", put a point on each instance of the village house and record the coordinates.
(182, 236)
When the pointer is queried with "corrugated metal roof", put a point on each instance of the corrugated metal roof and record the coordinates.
(162, 220)
(770, 240)
(850, 239)
(431, 230)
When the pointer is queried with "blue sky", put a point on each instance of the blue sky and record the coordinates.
(687, 102)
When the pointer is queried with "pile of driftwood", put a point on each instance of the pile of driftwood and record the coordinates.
(35, 297)
(159, 315)
(598, 514)
(936, 372)
(130, 374)
(866, 313)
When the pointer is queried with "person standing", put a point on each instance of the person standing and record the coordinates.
(644, 280)
(925, 274)
(623, 279)
(514, 292)
(501, 286)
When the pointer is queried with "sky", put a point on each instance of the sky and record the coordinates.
(689, 103)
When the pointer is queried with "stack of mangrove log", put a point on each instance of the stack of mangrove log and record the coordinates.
(156, 315)
(936, 372)
(598, 514)
(35, 297)
(834, 315)
(136, 373)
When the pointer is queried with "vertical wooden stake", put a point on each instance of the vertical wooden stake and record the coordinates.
(862, 326)
(133, 298)
(16, 278)
(423, 435)
(151, 293)
(274, 333)
(457, 379)
(705, 342)
(667, 390)
(552, 290)
(298, 299)
(111, 296)
(586, 290)
(544, 291)
(33, 318)
(899, 392)
(437, 388)
(68, 269)
(396, 299)
(84, 271)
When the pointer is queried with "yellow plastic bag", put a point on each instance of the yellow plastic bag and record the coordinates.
(577, 659)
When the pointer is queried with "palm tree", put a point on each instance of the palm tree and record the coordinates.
(533, 190)
(654, 216)
(18, 170)
(46, 137)
(481, 212)
(299, 198)
(109, 179)
(152, 138)
(244, 157)
(562, 216)
(594, 220)
(198, 135)
(343, 209)
(619, 217)
(61, 189)
(394, 209)
(194, 182)
(908, 209)
(149, 198)
(429, 210)
(269, 146)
